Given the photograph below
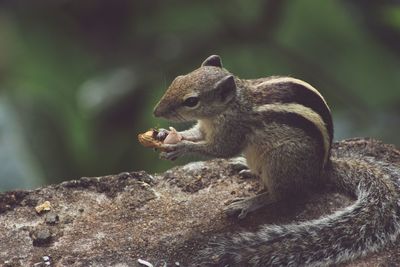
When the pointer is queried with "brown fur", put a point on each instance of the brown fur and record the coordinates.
(284, 128)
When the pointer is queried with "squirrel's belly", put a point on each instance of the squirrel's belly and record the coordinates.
(253, 155)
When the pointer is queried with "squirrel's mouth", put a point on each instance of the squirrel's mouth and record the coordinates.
(176, 117)
(172, 116)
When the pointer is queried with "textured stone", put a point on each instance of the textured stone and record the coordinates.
(118, 219)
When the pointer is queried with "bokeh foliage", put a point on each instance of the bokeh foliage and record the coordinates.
(79, 79)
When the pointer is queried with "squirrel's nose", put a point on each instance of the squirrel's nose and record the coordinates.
(157, 111)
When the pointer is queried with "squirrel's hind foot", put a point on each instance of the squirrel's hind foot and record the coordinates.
(242, 206)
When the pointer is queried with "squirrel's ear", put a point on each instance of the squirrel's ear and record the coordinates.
(225, 89)
(213, 60)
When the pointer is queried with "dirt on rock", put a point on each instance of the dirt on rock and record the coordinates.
(163, 219)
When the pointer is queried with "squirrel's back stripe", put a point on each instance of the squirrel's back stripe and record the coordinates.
(301, 117)
(290, 90)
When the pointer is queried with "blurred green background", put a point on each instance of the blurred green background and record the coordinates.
(79, 79)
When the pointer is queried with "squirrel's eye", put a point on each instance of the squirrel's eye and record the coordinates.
(191, 101)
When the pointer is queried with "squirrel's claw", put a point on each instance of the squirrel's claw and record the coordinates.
(238, 164)
(247, 174)
(237, 206)
(242, 206)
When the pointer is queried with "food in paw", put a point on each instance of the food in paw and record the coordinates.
(156, 138)
(148, 139)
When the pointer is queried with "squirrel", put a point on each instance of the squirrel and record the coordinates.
(283, 127)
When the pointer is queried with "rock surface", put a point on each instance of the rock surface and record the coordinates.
(163, 218)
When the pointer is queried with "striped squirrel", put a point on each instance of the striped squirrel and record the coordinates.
(283, 127)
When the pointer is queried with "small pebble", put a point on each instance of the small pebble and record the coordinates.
(68, 219)
(124, 175)
(145, 263)
(51, 218)
(41, 236)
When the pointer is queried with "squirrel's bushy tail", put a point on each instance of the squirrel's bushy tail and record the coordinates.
(366, 226)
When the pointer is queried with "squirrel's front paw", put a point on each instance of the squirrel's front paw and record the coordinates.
(173, 155)
(173, 151)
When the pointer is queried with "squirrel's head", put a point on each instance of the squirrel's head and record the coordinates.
(203, 93)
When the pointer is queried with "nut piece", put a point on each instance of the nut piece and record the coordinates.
(155, 139)
(148, 139)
